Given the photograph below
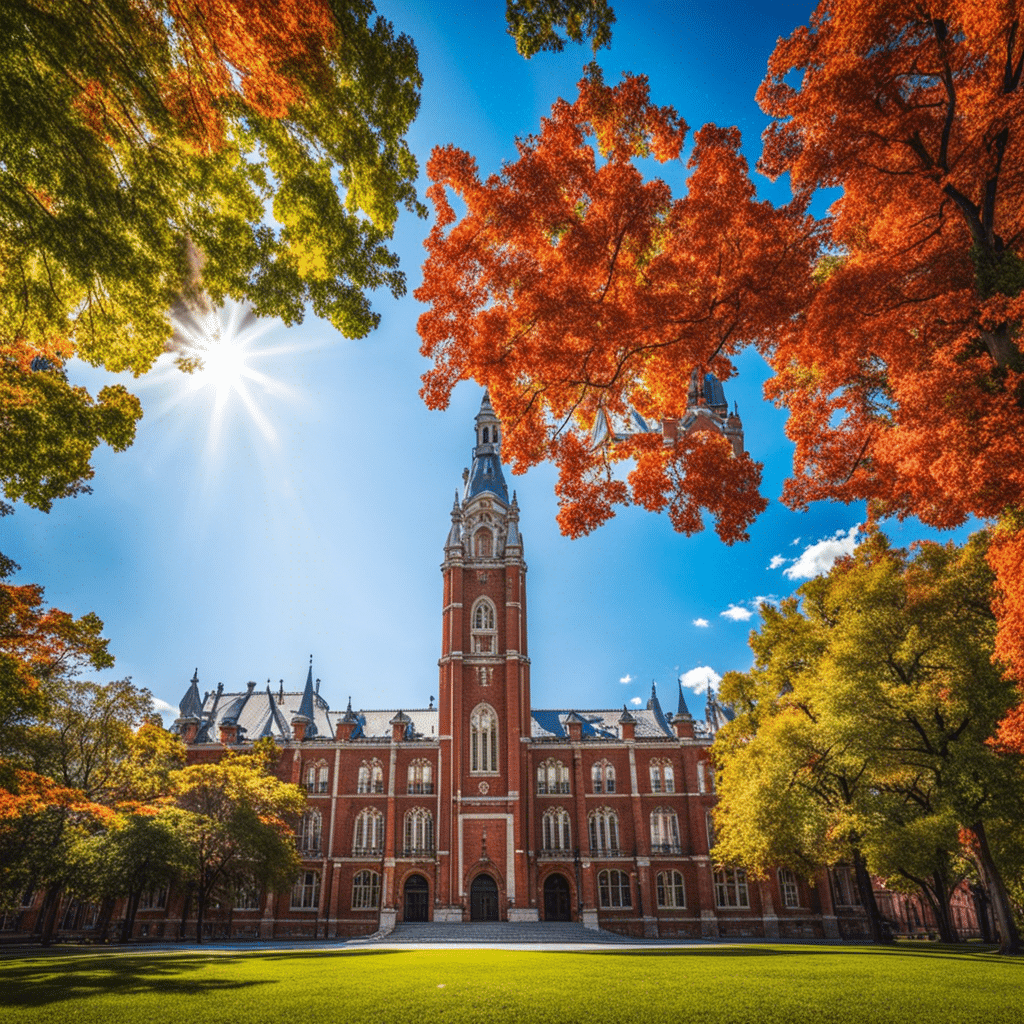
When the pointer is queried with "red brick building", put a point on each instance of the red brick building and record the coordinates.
(486, 808)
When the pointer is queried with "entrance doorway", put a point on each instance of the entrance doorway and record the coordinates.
(417, 899)
(556, 899)
(483, 899)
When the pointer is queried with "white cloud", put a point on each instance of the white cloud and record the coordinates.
(737, 613)
(777, 560)
(700, 678)
(627, 679)
(793, 543)
(164, 708)
(636, 700)
(763, 599)
(818, 558)
(702, 623)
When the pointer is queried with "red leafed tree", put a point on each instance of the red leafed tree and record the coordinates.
(572, 287)
(904, 375)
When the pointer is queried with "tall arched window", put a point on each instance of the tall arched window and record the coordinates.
(664, 831)
(421, 777)
(306, 891)
(557, 836)
(604, 831)
(316, 778)
(552, 777)
(671, 891)
(613, 887)
(731, 888)
(368, 836)
(603, 776)
(485, 632)
(366, 890)
(371, 777)
(483, 739)
(419, 832)
(788, 888)
(483, 541)
(709, 825)
(309, 837)
(663, 779)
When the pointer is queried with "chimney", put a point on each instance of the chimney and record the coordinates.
(229, 733)
(574, 726)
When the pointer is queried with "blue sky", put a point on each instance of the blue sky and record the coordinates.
(312, 521)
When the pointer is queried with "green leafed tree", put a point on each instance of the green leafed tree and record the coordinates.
(535, 24)
(239, 825)
(870, 710)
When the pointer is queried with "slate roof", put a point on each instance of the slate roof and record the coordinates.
(260, 713)
(597, 725)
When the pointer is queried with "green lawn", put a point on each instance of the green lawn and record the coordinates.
(787, 984)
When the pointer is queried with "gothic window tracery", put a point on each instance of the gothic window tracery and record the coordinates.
(368, 835)
(419, 832)
(663, 779)
(604, 831)
(557, 836)
(484, 632)
(483, 543)
(613, 887)
(483, 740)
(731, 888)
(552, 777)
(603, 777)
(664, 831)
(671, 891)
(370, 778)
(306, 891)
(421, 777)
(309, 837)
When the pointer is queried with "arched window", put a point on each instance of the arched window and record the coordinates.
(671, 891)
(483, 541)
(604, 832)
(485, 632)
(603, 775)
(421, 777)
(663, 779)
(705, 777)
(366, 890)
(552, 777)
(664, 831)
(487, 434)
(419, 832)
(368, 836)
(613, 887)
(370, 778)
(557, 836)
(709, 826)
(731, 888)
(788, 888)
(306, 891)
(483, 739)
(316, 778)
(309, 838)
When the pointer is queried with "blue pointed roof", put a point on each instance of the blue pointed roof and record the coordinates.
(191, 705)
(485, 473)
(306, 708)
(655, 705)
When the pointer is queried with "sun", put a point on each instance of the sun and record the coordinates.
(219, 345)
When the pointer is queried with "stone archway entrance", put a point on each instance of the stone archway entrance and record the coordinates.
(417, 899)
(557, 905)
(483, 899)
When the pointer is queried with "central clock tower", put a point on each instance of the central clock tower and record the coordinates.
(484, 697)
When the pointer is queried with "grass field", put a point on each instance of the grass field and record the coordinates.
(791, 984)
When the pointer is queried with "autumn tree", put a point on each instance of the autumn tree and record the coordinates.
(903, 376)
(535, 24)
(572, 287)
(239, 825)
(880, 674)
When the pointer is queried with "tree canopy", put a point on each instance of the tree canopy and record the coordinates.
(868, 716)
(572, 287)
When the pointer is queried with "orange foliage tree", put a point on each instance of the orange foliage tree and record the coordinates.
(572, 287)
(904, 376)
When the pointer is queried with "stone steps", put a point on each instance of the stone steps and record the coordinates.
(500, 932)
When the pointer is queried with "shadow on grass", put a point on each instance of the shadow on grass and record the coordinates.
(986, 954)
(42, 981)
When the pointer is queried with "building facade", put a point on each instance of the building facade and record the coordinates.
(484, 807)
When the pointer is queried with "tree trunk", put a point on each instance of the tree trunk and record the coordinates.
(1009, 937)
(200, 913)
(981, 911)
(880, 931)
(103, 925)
(51, 909)
(130, 910)
(185, 911)
(939, 894)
